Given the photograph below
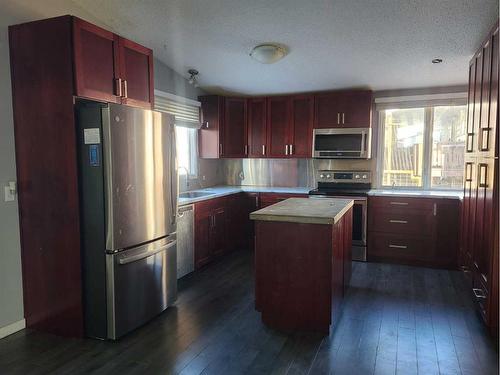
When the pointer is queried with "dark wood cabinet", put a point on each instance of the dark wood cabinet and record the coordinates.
(96, 62)
(136, 71)
(343, 109)
(210, 227)
(278, 124)
(234, 128)
(419, 231)
(257, 127)
(209, 136)
(301, 126)
(479, 220)
(111, 68)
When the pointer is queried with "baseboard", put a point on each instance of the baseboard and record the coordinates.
(12, 328)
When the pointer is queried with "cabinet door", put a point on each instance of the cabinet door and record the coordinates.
(218, 232)
(484, 219)
(301, 126)
(202, 230)
(234, 142)
(477, 100)
(278, 120)
(469, 142)
(356, 109)
(488, 135)
(327, 110)
(469, 211)
(257, 127)
(209, 140)
(96, 62)
(136, 70)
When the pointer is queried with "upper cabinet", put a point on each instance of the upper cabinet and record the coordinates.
(343, 109)
(276, 126)
(257, 129)
(111, 68)
(278, 122)
(234, 128)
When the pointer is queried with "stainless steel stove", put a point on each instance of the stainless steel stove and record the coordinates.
(348, 184)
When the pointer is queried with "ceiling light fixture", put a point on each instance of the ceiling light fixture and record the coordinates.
(192, 78)
(268, 53)
(437, 61)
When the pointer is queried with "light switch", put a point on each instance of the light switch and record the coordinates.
(10, 192)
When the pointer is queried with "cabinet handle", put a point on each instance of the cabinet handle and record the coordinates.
(257, 201)
(399, 203)
(398, 221)
(286, 149)
(487, 131)
(246, 149)
(479, 293)
(125, 89)
(398, 246)
(469, 147)
(465, 269)
(468, 172)
(263, 149)
(291, 149)
(220, 149)
(338, 118)
(483, 177)
(434, 211)
(343, 118)
(118, 87)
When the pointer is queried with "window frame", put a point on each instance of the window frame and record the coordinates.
(427, 151)
(193, 155)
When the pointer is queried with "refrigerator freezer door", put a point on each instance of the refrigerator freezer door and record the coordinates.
(141, 178)
(141, 283)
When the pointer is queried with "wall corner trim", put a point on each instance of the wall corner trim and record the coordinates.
(12, 328)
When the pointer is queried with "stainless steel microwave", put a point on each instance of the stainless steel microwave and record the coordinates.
(345, 143)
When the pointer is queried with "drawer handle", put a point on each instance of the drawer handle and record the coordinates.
(465, 269)
(398, 246)
(398, 221)
(479, 293)
(399, 203)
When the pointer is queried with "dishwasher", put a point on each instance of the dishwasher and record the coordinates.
(185, 240)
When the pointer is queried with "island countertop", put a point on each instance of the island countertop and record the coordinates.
(305, 210)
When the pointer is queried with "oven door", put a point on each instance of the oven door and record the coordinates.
(349, 143)
(359, 224)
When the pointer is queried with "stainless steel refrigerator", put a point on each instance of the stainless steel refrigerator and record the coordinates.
(128, 192)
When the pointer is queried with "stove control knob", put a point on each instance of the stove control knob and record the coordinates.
(356, 177)
(328, 176)
(365, 176)
(321, 175)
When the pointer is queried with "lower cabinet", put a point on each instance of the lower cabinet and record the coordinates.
(418, 231)
(223, 224)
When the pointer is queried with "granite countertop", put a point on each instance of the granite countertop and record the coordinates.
(221, 191)
(305, 210)
(452, 194)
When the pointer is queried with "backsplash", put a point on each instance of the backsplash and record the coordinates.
(284, 172)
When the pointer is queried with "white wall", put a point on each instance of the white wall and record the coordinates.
(11, 292)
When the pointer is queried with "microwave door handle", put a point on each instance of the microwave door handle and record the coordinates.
(363, 143)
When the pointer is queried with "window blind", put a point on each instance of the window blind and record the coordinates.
(185, 111)
(420, 101)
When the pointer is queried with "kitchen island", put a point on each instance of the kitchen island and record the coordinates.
(302, 262)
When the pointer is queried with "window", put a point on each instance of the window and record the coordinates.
(423, 147)
(186, 150)
(187, 123)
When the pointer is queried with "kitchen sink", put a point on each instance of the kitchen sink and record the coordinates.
(195, 194)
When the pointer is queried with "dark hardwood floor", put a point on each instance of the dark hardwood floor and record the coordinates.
(396, 319)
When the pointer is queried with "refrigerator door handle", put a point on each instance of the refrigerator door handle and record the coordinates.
(145, 254)
(174, 174)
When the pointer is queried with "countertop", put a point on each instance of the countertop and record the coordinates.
(221, 191)
(305, 210)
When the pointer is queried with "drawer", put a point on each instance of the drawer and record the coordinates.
(210, 204)
(268, 199)
(397, 247)
(402, 202)
(480, 293)
(403, 221)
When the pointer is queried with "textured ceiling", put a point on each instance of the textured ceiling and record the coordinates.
(381, 44)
